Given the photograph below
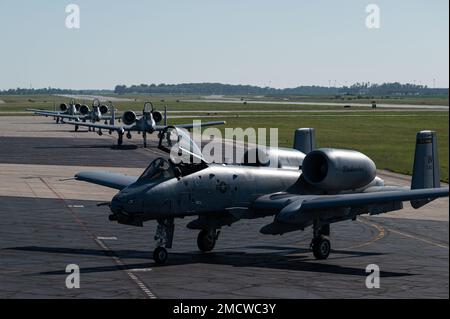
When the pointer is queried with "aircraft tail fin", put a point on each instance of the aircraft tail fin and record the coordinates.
(305, 140)
(426, 165)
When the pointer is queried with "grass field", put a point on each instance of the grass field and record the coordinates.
(413, 100)
(18, 103)
(387, 137)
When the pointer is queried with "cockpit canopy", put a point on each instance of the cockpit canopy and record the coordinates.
(182, 149)
(148, 108)
(159, 170)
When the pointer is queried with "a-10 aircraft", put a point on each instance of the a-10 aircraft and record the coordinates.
(71, 109)
(80, 112)
(328, 186)
(146, 124)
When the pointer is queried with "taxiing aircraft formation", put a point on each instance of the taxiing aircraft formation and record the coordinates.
(79, 112)
(148, 123)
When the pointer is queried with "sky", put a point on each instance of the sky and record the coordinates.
(284, 43)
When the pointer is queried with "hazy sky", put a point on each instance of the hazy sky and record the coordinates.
(278, 43)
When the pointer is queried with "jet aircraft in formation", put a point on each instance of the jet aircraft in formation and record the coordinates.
(147, 123)
(80, 112)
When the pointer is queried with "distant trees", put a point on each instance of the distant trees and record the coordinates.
(21, 91)
(395, 88)
(193, 88)
(361, 89)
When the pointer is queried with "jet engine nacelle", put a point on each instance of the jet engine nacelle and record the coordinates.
(84, 110)
(63, 107)
(157, 116)
(273, 157)
(104, 109)
(129, 117)
(338, 170)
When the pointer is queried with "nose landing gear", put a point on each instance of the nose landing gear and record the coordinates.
(164, 239)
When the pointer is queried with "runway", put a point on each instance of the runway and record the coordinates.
(49, 221)
(368, 105)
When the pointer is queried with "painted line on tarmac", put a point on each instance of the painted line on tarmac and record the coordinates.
(380, 235)
(106, 238)
(130, 274)
(433, 243)
(110, 252)
(382, 232)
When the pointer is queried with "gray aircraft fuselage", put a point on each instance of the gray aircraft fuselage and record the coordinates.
(214, 189)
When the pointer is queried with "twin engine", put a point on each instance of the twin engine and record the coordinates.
(129, 117)
(84, 109)
(338, 170)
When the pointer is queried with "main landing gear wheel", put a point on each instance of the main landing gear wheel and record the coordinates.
(206, 240)
(160, 255)
(321, 247)
(320, 244)
(77, 128)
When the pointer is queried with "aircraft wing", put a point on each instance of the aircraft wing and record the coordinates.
(190, 126)
(299, 209)
(57, 114)
(100, 126)
(71, 117)
(45, 113)
(107, 179)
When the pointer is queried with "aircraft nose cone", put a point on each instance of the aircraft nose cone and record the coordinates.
(117, 204)
(124, 203)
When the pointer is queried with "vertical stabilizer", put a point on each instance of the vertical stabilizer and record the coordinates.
(426, 164)
(305, 140)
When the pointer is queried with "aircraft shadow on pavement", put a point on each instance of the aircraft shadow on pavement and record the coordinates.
(59, 131)
(112, 147)
(283, 259)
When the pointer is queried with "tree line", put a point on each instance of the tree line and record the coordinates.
(384, 89)
(229, 89)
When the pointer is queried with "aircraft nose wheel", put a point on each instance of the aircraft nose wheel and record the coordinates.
(120, 139)
(321, 247)
(206, 240)
(160, 255)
